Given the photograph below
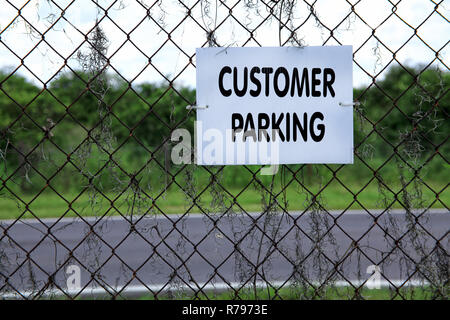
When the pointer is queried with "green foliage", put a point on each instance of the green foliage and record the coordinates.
(405, 111)
(406, 100)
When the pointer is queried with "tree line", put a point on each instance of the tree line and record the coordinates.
(405, 112)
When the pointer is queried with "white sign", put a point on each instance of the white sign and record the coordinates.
(280, 105)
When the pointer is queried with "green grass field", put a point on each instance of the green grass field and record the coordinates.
(173, 200)
(288, 293)
(293, 293)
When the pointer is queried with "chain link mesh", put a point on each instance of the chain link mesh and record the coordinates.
(90, 94)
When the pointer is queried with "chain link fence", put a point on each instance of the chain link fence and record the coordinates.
(92, 206)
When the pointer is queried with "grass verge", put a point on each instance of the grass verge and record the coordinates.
(48, 204)
(295, 293)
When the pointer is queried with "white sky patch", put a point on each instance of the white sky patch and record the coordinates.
(148, 54)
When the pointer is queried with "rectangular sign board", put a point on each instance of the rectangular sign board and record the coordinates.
(274, 105)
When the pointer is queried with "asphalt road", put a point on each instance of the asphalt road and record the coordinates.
(163, 253)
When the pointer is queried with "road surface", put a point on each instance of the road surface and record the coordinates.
(168, 253)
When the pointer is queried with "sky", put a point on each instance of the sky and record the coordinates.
(66, 36)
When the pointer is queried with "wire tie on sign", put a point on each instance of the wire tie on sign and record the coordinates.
(356, 103)
(197, 107)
